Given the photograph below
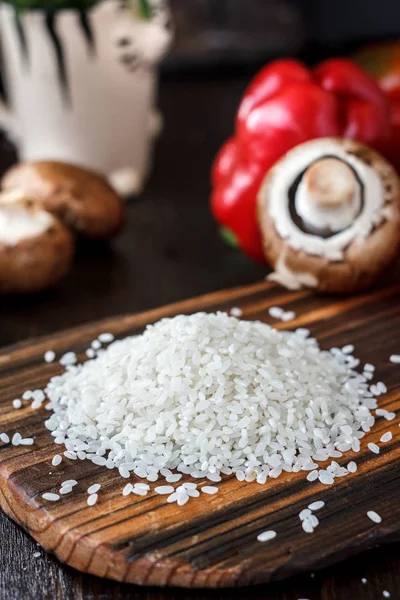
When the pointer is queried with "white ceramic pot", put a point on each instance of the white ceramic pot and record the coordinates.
(82, 85)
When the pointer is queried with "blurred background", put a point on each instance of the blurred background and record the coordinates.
(231, 33)
(217, 33)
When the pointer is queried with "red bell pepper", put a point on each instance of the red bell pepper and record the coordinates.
(287, 104)
(382, 61)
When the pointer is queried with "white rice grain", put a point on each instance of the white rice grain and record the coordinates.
(71, 455)
(326, 478)
(49, 356)
(70, 482)
(16, 439)
(57, 459)
(307, 526)
(374, 516)
(106, 338)
(139, 491)
(173, 478)
(373, 447)
(304, 514)
(312, 476)
(127, 489)
(316, 505)
(26, 441)
(69, 358)
(386, 437)
(389, 416)
(209, 489)
(265, 536)
(275, 312)
(50, 496)
(164, 489)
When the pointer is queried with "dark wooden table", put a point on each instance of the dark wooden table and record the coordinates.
(170, 250)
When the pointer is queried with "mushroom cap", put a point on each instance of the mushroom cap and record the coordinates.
(348, 260)
(36, 248)
(81, 198)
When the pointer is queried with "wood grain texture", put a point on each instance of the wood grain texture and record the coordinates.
(211, 542)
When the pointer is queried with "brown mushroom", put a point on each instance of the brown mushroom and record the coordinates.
(329, 213)
(36, 248)
(81, 198)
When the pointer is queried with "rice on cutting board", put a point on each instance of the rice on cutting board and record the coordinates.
(208, 394)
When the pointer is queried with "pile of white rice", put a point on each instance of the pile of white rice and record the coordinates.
(209, 394)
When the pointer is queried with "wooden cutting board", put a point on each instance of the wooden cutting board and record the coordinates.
(212, 540)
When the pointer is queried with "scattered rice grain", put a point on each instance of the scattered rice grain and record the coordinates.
(127, 489)
(352, 466)
(71, 482)
(50, 496)
(265, 536)
(49, 356)
(26, 441)
(209, 489)
(106, 338)
(91, 501)
(164, 489)
(316, 505)
(16, 439)
(374, 516)
(312, 476)
(373, 447)
(57, 459)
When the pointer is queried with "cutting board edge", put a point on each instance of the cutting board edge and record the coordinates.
(184, 574)
(172, 573)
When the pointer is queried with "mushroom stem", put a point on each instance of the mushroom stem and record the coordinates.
(328, 197)
(330, 183)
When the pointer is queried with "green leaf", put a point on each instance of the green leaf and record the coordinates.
(145, 9)
(229, 237)
(50, 5)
